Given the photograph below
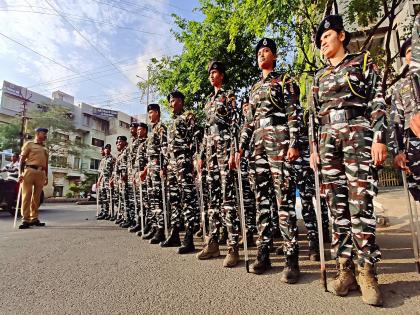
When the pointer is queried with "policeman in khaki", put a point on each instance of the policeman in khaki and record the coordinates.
(351, 131)
(34, 170)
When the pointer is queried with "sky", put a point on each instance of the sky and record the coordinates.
(91, 49)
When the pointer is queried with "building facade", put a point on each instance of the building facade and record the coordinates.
(94, 127)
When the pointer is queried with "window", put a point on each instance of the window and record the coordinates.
(125, 125)
(94, 164)
(97, 142)
(59, 161)
(76, 162)
(86, 120)
(78, 140)
(61, 136)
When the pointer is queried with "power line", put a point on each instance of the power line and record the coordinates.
(50, 59)
(75, 17)
(89, 42)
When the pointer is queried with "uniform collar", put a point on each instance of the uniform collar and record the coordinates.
(179, 114)
(270, 76)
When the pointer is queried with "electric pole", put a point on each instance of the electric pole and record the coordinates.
(24, 118)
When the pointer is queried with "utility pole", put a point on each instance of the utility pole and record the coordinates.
(24, 118)
(148, 92)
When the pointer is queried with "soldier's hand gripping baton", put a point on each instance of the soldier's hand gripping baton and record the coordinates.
(243, 226)
(201, 200)
(17, 202)
(318, 205)
(162, 181)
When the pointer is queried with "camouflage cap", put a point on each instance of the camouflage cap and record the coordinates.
(143, 125)
(107, 146)
(123, 138)
(331, 22)
(134, 125)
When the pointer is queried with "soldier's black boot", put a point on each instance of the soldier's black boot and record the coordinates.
(173, 239)
(147, 229)
(249, 239)
(187, 244)
(223, 236)
(275, 232)
(262, 263)
(313, 250)
(291, 272)
(135, 228)
(126, 224)
(101, 216)
(148, 236)
(119, 220)
(158, 237)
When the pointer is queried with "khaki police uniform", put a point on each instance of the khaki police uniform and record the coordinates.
(35, 156)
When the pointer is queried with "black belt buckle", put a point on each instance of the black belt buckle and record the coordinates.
(337, 116)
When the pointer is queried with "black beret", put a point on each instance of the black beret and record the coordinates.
(331, 22)
(134, 125)
(143, 125)
(405, 46)
(41, 130)
(108, 146)
(155, 107)
(266, 42)
(176, 94)
(219, 66)
(123, 138)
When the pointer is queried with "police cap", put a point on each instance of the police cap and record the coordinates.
(331, 22)
(219, 66)
(176, 94)
(154, 107)
(134, 125)
(108, 146)
(41, 130)
(123, 138)
(405, 46)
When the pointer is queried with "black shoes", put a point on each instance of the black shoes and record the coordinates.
(37, 223)
(24, 225)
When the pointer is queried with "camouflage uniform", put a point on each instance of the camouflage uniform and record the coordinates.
(215, 152)
(120, 185)
(415, 57)
(107, 168)
(351, 116)
(139, 165)
(304, 181)
(245, 165)
(131, 160)
(272, 122)
(402, 139)
(182, 192)
(156, 145)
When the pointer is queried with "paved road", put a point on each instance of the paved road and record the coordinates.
(77, 265)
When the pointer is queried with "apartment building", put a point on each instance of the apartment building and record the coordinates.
(95, 127)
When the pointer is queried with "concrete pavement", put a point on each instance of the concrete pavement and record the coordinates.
(77, 265)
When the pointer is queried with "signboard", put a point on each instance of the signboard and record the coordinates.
(14, 89)
(102, 112)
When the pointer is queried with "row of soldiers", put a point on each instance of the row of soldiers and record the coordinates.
(258, 155)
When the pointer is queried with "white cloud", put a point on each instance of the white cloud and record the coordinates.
(52, 36)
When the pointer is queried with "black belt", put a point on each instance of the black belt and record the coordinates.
(38, 168)
(270, 121)
(335, 116)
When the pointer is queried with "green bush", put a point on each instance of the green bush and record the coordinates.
(69, 195)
